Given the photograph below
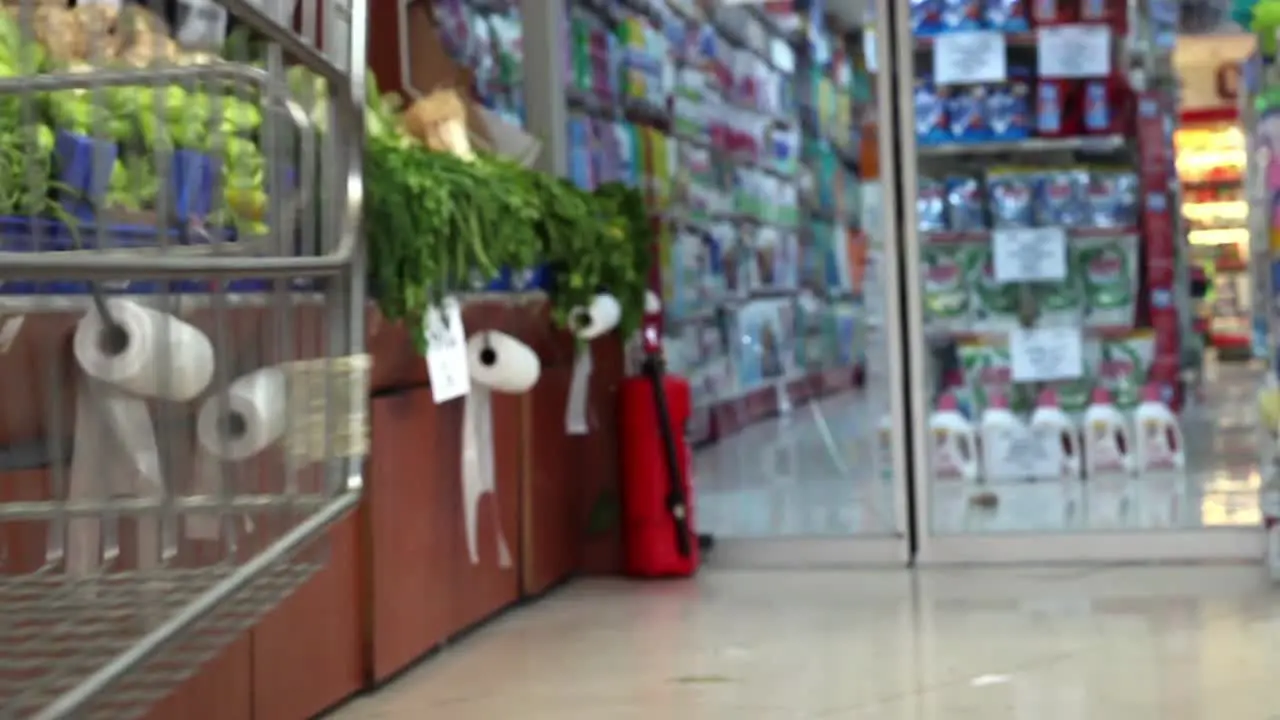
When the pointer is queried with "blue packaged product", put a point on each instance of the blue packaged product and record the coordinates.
(1097, 106)
(926, 17)
(931, 205)
(967, 113)
(931, 113)
(1009, 106)
(961, 14)
(1112, 199)
(1060, 198)
(1006, 15)
(964, 204)
(1050, 108)
(1010, 197)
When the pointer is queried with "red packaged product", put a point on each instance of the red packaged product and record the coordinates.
(1052, 12)
(1104, 106)
(1057, 108)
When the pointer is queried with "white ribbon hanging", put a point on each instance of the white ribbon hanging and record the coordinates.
(478, 472)
(575, 411)
(115, 454)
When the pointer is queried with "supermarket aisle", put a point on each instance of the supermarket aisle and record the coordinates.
(1119, 643)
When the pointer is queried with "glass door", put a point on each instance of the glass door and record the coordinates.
(781, 294)
(1056, 401)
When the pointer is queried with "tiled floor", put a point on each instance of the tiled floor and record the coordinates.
(814, 473)
(1120, 643)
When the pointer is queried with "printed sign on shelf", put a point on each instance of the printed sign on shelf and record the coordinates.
(1046, 354)
(1029, 254)
(967, 58)
(1073, 51)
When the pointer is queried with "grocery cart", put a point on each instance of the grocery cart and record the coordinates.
(182, 410)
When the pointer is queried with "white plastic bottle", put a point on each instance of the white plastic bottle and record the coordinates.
(1057, 437)
(954, 452)
(1107, 450)
(1000, 431)
(1158, 446)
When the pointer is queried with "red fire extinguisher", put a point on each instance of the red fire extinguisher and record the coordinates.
(657, 510)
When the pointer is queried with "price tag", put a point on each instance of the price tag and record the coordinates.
(447, 366)
(966, 58)
(1029, 254)
(1046, 354)
(869, 50)
(1073, 51)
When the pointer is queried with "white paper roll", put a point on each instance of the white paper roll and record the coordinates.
(153, 354)
(501, 362)
(252, 416)
(602, 315)
(478, 473)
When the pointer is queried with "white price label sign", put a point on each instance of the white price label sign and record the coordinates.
(1073, 51)
(1029, 254)
(966, 58)
(447, 366)
(1046, 354)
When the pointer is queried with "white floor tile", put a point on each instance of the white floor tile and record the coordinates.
(1120, 643)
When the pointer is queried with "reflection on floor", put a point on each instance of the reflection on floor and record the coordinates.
(809, 474)
(814, 474)
(1118, 643)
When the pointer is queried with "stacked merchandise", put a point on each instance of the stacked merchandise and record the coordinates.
(699, 110)
(1044, 206)
(487, 37)
(1211, 161)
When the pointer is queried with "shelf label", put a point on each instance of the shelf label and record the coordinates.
(967, 58)
(869, 50)
(1029, 254)
(1046, 354)
(1073, 51)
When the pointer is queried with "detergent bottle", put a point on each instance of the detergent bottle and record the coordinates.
(1158, 445)
(1057, 438)
(1107, 451)
(954, 452)
(1000, 432)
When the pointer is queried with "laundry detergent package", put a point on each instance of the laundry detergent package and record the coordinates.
(994, 304)
(1109, 276)
(1124, 364)
(988, 371)
(1097, 106)
(1009, 106)
(1010, 198)
(962, 14)
(931, 113)
(1055, 100)
(964, 204)
(931, 205)
(926, 17)
(1061, 303)
(1112, 199)
(1061, 198)
(1006, 15)
(946, 294)
(966, 109)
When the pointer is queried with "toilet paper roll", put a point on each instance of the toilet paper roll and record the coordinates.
(251, 416)
(501, 362)
(602, 315)
(148, 353)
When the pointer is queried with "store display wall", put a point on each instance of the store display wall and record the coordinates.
(1053, 286)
